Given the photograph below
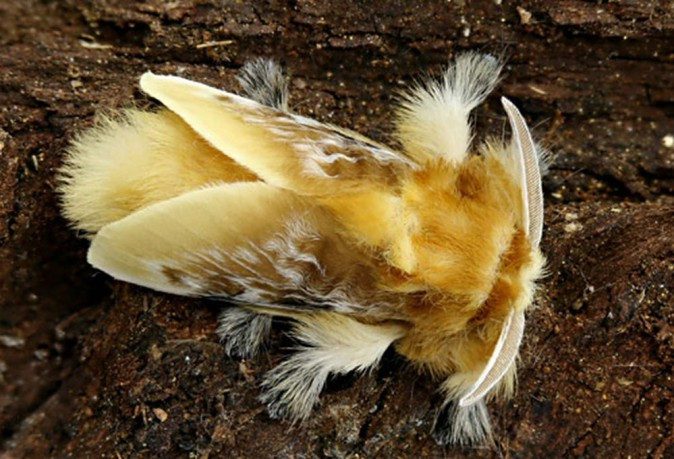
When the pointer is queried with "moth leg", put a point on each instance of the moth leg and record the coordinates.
(264, 81)
(464, 426)
(332, 344)
(243, 331)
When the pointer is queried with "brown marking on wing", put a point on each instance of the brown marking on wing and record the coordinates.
(308, 264)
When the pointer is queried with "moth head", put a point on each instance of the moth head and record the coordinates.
(476, 229)
(507, 346)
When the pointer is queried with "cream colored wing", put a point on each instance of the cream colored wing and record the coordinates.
(248, 242)
(285, 150)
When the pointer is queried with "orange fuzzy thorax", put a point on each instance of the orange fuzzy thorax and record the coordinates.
(471, 256)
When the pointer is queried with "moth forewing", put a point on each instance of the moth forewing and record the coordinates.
(174, 246)
(213, 115)
(285, 150)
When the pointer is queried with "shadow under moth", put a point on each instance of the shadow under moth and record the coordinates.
(432, 248)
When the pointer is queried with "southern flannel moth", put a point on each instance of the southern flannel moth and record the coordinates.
(432, 247)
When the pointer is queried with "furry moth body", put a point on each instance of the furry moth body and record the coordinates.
(432, 249)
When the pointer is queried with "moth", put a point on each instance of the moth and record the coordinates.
(431, 247)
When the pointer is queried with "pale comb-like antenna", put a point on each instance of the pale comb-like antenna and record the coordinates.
(503, 356)
(530, 174)
(509, 341)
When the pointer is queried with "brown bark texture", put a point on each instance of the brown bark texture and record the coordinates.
(90, 367)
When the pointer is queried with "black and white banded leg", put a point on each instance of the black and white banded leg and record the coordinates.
(264, 81)
(243, 331)
(464, 426)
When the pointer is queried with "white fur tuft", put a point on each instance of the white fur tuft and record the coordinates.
(333, 344)
(433, 118)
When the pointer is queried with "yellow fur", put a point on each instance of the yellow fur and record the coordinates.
(362, 213)
(448, 227)
(136, 159)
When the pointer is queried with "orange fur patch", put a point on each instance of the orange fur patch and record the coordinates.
(470, 253)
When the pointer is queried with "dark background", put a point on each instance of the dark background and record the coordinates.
(95, 368)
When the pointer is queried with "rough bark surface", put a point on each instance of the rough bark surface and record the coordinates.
(95, 368)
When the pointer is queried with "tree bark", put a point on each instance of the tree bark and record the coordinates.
(93, 367)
